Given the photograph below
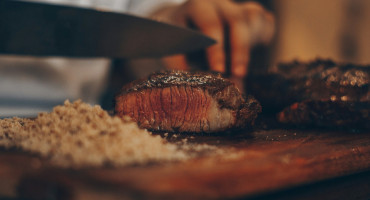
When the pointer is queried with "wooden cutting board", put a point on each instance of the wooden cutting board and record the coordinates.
(268, 164)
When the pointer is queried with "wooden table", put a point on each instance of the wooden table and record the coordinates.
(269, 164)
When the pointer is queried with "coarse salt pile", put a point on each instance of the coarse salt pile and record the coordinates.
(79, 135)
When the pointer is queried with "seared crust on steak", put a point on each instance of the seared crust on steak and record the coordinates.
(178, 101)
(328, 114)
(211, 82)
(321, 93)
(321, 80)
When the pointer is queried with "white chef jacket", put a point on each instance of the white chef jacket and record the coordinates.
(29, 85)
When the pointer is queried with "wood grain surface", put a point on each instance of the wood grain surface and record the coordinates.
(263, 163)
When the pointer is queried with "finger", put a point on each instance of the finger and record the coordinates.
(261, 23)
(177, 62)
(171, 14)
(269, 27)
(253, 6)
(204, 15)
(239, 37)
(240, 48)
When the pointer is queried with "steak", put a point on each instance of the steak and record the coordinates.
(178, 101)
(321, 93)
(328, 114)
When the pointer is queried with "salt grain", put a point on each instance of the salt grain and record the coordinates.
(79, 135)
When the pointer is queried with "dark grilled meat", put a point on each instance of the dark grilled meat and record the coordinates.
(328, 114)
(177, 101)
(319, 93)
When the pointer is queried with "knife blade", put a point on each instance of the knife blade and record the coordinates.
(38, 29)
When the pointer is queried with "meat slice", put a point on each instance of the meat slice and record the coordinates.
(178, 101)
(321, 80)
(321, 93)
(328, 114)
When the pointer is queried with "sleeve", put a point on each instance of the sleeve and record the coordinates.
(111, 5)
(146, 7)
(141, 8)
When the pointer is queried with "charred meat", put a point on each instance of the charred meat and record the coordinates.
(177, 101)
(321, 93)
(328, 114)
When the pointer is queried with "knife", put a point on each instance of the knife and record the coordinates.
(39, 29)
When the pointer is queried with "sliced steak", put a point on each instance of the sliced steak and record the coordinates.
(177, 101)
(321, 93)
(328, 114)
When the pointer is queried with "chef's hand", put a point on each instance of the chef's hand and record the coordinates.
(248, 24)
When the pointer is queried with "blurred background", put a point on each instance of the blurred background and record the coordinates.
(307, 29)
